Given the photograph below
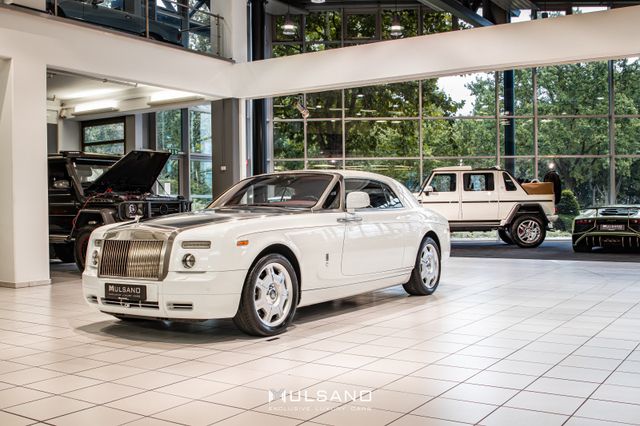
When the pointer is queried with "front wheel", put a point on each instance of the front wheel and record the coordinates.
(505, 237)
(528, 231)
(269, 297)
(425, 276)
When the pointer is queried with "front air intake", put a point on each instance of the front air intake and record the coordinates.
(140, 259)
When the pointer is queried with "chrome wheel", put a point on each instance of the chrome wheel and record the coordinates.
(529, 231)
(429, 266)
(272, 294)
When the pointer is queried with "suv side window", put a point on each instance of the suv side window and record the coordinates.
(381, 196)
(508, 182)
(477, 182)
(444, 182)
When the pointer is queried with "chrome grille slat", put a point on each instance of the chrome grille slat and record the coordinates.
(131, 259)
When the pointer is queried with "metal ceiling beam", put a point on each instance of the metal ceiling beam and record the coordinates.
(458, 10)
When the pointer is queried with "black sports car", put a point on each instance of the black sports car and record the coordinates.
(609, 226)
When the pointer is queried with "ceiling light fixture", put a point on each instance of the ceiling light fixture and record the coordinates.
(94, 107)
(396, 29)
(172, 96)
(317, 1)
(289, 27)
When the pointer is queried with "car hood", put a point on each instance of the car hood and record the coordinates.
(206, 217)
(135, 172)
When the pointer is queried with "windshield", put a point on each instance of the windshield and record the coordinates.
(279, 190)
(88, 172)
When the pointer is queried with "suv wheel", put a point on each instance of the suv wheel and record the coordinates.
(528, 231)
(504, 236)
(80, 246)
(64, 252)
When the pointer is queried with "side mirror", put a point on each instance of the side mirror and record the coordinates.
(61, 184)
(357, 200)
(428, 190)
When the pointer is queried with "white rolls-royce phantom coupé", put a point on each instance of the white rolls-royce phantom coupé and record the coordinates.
(268, 245)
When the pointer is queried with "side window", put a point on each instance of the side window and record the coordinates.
(333, 199)
(444, 182)
(478, 182)
(508, 182)
(381, 196)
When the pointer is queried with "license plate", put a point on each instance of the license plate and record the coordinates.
(126, 292)
(612, 227)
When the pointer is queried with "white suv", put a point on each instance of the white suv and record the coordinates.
(488, 199)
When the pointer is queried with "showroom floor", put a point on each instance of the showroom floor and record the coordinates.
(503, 342)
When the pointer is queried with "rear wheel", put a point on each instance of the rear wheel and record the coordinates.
(269, 297)
(504, 236)
(528, 231)
(582, 248)
(80, 246)
(425, 276)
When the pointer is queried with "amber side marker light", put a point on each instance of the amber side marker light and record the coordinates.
(242, 243)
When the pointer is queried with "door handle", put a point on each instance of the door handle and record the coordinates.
(350, 219)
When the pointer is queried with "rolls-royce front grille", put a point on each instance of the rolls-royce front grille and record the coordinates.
(131, 259)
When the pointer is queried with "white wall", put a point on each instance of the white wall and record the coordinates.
(574, 38)
(90, 50)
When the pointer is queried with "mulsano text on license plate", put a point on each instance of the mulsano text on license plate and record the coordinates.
(126, 292)
(612, 227)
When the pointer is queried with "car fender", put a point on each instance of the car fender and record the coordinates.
(94, 217)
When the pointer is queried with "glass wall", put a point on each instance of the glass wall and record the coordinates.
(581, 120)
(104, 136)
(187, 134)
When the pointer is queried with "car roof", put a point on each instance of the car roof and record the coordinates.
(465, 168)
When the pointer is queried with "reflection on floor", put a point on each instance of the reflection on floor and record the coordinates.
(551, 249)
(503, 342)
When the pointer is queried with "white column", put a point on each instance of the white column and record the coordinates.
(24, 241)
(233, 28)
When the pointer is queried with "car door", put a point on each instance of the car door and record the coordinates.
(479, 197)
(375, 236)
(445, 197)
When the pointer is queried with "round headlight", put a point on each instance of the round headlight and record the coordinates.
(95, 257)
(188, 261)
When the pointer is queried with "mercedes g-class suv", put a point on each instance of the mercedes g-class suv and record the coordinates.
(91, 190)
(492, 199)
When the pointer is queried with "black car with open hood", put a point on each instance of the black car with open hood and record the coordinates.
(90, 190)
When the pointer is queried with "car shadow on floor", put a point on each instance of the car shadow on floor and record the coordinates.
(220, 331)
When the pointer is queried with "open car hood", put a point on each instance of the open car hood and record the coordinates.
(135, 172)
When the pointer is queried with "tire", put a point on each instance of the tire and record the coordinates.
(425, 276)
(271, 284)
(528, 231)
(582, 248)
(64, 252)
(505, 237)
(80, 246)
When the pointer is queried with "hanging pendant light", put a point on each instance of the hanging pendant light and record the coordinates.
(289, 27)
(396, 29)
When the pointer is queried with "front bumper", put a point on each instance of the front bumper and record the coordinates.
(187, 296)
